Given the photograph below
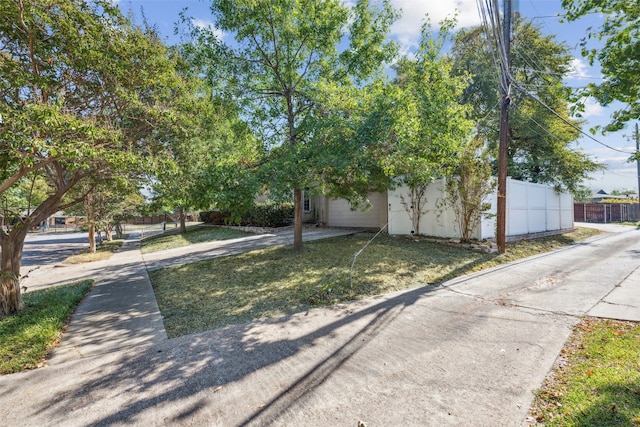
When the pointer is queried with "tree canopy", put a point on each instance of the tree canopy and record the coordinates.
(616, 49)
(542, 134)
(85, 94)
(284, 55)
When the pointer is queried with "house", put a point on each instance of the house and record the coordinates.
(531, 208)
(602, 195)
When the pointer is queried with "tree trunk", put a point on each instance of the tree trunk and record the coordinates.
(297, 220)
(88, 203)
(108, 235)
(183, 224)
(92, 238)
(10, 296)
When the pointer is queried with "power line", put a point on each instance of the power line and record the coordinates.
(535, 98)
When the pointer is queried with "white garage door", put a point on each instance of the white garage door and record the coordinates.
(341, 215)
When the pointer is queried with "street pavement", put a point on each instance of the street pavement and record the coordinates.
(469, 351)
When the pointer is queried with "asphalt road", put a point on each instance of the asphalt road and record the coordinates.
(42, 249)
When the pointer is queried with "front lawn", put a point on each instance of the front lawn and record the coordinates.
(27, 336)
(271, 282)
(193, 235)
(103, 251)
(597, 382)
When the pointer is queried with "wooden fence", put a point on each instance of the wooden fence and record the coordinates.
(606, 212)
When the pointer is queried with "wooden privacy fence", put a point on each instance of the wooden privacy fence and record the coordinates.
(155, 219)
(606, 212)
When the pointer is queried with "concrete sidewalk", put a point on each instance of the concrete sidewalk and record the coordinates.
(466, 352)
(120, 311)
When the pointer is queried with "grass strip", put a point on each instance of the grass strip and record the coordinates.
(103, 251)
(27, 336)
(271, 282)
(193, 235)
(597, 379)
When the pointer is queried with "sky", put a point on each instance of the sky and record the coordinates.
(620, 175)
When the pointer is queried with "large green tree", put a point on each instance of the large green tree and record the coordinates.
(83, 93)
(189, 172)
(542, 134)
(617, 49)
(431, 125)
(283, 55)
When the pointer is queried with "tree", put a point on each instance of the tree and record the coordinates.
(618, 56)
(541, 132)
(582, 194)
(407, 131)
(431, 127)
(84, 93)
(18, 200)
(284, 53)
(190, 171)
(468, 187)
(623, 192)
(105, 205)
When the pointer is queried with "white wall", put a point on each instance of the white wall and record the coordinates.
(535, 208)
(531, 208)
(437, 221)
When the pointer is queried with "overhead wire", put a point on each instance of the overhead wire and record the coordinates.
(489, 15)
(491, 24)
(555, 113)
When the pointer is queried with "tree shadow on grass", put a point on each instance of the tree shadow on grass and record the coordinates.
(617, 405)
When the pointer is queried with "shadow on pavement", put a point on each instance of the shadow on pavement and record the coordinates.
(199, 364)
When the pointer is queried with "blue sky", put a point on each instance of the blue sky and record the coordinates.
(619, 174)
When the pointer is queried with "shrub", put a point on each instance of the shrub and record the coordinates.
(214, 217)
(269, 215)
(260, 215)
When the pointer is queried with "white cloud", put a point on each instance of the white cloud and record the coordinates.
(579, 69)
(406, 30)
(204, 23)
(592, 108)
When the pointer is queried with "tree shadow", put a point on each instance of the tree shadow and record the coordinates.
(194, 367)
(617, 405)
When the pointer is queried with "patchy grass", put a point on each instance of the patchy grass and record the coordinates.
(597, 382)
(102, 252)
(193, 235)
(271, 282)
(27, 336)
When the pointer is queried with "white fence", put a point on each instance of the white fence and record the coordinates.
(531, 208)
(536, 208)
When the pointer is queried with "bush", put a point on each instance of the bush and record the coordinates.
(269, 215)
(215, 217)
(260, 215)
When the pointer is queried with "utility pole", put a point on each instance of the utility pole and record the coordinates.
(503, 151)
(637, 137)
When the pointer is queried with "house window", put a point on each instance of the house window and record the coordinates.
(306, 202)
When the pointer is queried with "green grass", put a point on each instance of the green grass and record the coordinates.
(217, 292)
(598, 383)
(102, 252)
(26, 337)
(193, 235)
